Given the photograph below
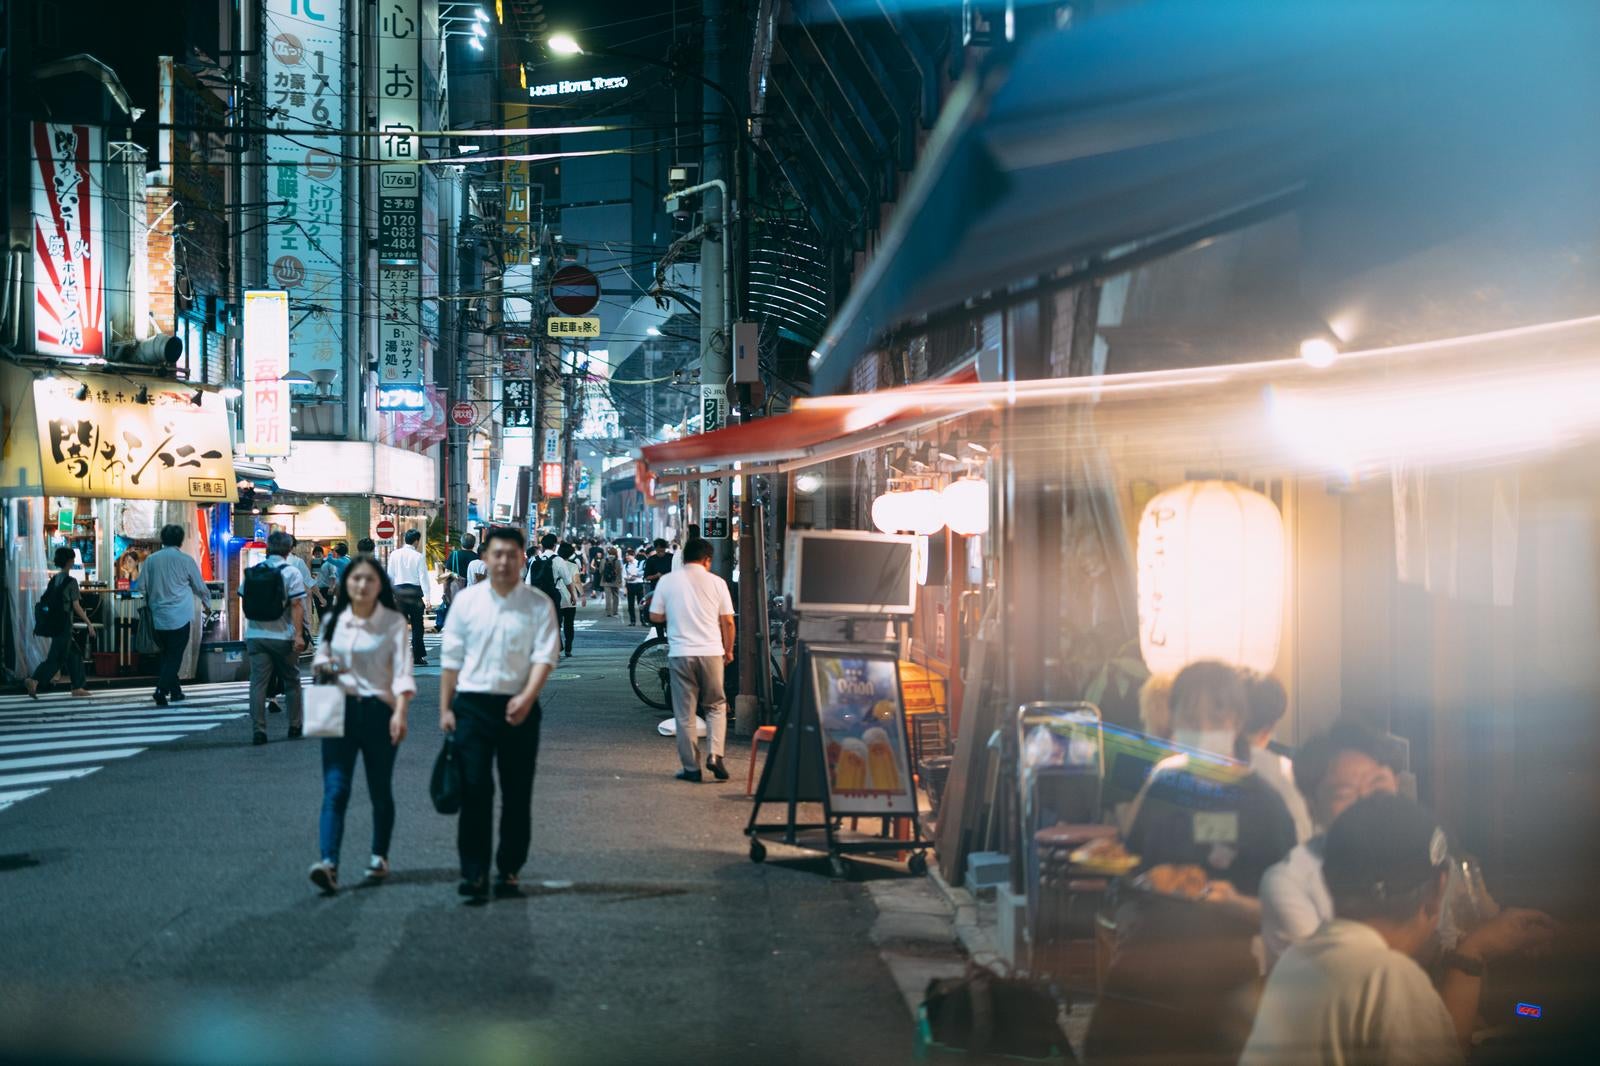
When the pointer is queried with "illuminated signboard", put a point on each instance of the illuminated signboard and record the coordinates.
(68, 231)
(580, 85)
(402, 398)
(266, 360)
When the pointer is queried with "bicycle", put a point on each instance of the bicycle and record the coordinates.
(649, 674)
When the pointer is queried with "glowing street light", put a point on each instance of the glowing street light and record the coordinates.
(563, 44)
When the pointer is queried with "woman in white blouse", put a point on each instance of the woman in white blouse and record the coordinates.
(365, 649)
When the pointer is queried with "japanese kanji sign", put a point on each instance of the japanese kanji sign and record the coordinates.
(516, 403)
(304, 64)
(266, 360)
(109, 445)
(398, 88)
(563, 326)
(68, 263)
(399, 338)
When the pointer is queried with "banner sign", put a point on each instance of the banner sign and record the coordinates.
(552, 446)
(399, 347)
(399, 108)
(565, 326)
(406, 397)
(304, 66)
(516, 403)
(111, 446)
(714, 506)
(266, 360)
(68, 240)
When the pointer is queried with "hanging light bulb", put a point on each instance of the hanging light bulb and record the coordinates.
(965, 505)
(922, 512)
(888, 513)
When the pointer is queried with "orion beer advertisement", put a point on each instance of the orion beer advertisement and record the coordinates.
(68, 256)
(863, 735)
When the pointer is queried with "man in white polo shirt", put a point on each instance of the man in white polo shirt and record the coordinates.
(698, 612)
(499, 646)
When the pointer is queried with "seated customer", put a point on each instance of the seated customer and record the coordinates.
(1267, 703)
(1333, 771)
(1353, 993)
(1207, 809)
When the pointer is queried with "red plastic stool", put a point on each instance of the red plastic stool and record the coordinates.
(763, 735)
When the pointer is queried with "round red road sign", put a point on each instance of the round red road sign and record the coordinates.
(384, 530)
(464, 413)
(574, 290)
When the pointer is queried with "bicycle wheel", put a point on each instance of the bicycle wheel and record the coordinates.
(648, 673)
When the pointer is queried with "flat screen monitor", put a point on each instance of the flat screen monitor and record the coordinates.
(843, 572)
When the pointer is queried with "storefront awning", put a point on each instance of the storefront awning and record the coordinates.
(1389, 128)
(808, 434)
(115, 437)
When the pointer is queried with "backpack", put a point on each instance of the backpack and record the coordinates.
(264, 594)
(50, 617)
(542, 576)
(610, 577)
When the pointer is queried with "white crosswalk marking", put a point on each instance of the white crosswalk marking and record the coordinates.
(59, 738)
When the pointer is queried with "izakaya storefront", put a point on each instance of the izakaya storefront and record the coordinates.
(99, 464)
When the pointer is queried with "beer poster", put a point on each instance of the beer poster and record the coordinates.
(863, 733)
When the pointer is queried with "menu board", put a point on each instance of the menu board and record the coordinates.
(862, 722)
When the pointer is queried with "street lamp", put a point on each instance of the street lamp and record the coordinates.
(563, 44)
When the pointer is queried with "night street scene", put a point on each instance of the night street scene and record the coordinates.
(800, 532)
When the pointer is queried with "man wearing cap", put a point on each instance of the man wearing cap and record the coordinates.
(1353, 993)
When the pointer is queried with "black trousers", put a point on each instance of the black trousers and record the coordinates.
(569, 616)
(409, 597)
(172, 643)
(484, 740)
(635, 595)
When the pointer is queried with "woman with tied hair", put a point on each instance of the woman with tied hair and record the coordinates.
(365, 650)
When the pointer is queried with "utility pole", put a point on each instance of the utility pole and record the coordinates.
(715, 509)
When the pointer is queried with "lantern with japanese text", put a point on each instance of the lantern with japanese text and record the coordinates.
(1211, 572)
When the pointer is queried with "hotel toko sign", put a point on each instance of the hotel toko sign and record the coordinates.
(305, 182)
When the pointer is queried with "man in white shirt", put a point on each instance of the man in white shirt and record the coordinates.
(633, 579)
(698, 612)
(408, 573)
(1353, 993)
(500, 645)
(274, 643)
(565, 571)
(171, 582)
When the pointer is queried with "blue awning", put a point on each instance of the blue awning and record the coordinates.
(1390, 127)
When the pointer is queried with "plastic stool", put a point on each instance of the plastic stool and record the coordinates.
(762, 735)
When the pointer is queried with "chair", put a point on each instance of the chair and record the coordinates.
(763, 735)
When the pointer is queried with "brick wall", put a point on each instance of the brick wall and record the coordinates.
(163, 268)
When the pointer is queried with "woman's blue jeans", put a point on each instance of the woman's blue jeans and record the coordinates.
(366, 733)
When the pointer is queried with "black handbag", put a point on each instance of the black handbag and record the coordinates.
(445, 785)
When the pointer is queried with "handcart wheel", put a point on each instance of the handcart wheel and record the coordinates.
(917, 864)
(758, 851)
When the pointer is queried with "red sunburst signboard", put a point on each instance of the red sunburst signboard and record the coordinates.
(68, 242)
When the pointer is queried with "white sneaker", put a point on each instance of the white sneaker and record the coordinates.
(325, 875)
(378, 868)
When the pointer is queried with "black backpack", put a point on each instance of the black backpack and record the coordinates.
(542, 576)
(610, 572)
(50, 617)
(263, 592)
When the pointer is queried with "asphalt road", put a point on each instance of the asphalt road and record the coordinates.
(158, 910)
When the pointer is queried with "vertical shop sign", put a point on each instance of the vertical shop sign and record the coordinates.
(398, 87)
(516, 406)
(68, 223)
(713, 490)
(400, 352)
(266, 360)
(304, 66)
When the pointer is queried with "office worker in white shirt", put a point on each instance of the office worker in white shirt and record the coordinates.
(500, 644)
(363, 650)
(698, 612)
(408, 570)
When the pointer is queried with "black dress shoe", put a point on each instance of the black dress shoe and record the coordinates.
(506, 886)
(161, 698)
(476, 890)
(690, 775)
(176, 697)
(718, 770)
(259, 738)
(295, 732)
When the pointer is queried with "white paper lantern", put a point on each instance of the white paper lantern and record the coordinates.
(1211, 566)
(965, 504)
(888, 514)
(923, 512)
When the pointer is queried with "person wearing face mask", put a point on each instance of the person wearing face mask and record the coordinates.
(1333, 771)
(1203, 807)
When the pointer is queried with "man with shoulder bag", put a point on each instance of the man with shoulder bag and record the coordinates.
(272, 596)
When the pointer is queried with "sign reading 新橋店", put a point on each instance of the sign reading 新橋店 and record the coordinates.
(304, 64)
(109, 445)
(68, 228)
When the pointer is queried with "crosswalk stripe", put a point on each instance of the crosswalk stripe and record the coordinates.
(7, 765)
(199, 721)
(8, 798)
(142, 692)
(44, 776)
(83, 706)
(143, 738)
(228, 711)
(124, 735)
